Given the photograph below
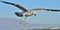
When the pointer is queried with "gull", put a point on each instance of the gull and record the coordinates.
(27, 13)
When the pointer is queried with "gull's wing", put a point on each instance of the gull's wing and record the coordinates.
(17, 5)
(39, 9)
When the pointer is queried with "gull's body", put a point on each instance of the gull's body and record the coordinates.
(26, 12)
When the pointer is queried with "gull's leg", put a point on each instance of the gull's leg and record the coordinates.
(23, 15)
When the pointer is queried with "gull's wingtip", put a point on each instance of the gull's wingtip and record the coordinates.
(1, 1)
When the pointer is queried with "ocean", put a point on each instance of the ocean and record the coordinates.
(19, 24)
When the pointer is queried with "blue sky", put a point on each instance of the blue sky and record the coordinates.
(43, 17)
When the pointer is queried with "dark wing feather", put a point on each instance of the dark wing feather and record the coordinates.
(19, 6)
(55, 10)
(39, 9)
